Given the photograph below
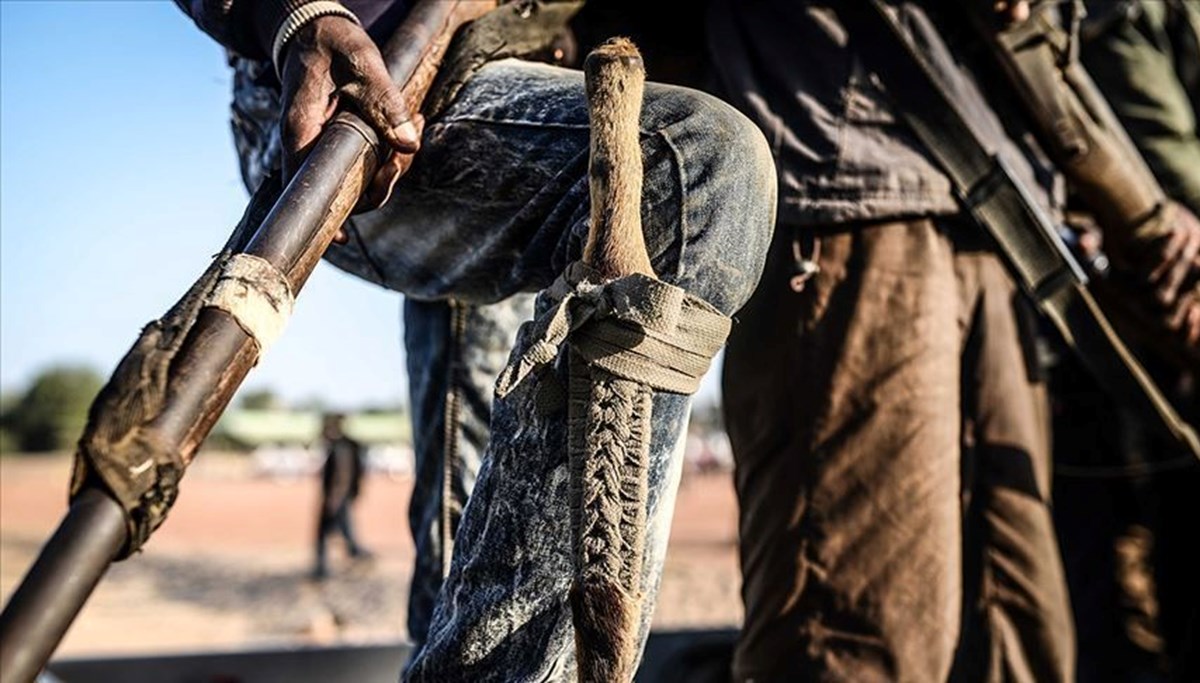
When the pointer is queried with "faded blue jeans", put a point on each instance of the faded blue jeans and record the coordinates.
(497, 203)
(455, 351)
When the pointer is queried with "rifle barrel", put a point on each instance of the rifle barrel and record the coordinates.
(56, 586)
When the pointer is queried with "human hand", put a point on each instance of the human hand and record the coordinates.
(332, 63)
(1167, 267)
(1176, 279)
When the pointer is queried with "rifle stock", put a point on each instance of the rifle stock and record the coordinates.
(217, 353)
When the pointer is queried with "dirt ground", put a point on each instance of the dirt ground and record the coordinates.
(229, 567)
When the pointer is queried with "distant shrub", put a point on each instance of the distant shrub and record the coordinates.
(8, 443)
(52, 412)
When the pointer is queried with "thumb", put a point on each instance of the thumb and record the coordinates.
(383, 108)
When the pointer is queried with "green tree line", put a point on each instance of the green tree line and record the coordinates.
(49, 415)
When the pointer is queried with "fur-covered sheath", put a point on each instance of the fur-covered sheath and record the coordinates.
(628, 335)
(609, 416)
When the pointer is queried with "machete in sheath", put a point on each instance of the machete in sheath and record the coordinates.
(625, 335)
(997, 200)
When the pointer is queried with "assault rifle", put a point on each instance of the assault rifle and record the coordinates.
(1081, 134)
(166, 394)
(1079, 130)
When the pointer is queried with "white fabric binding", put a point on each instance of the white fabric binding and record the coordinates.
(257, 295)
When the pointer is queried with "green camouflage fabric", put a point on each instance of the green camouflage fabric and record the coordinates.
(1145, 58)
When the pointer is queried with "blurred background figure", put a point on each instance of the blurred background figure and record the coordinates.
(341, 480)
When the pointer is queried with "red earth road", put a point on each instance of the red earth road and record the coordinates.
(228, 569)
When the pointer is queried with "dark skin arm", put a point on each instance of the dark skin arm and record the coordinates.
(332, 64)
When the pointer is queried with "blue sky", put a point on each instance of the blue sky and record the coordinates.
(118, 180)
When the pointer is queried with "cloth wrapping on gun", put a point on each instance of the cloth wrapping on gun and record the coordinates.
(257, 295)
(119, 450)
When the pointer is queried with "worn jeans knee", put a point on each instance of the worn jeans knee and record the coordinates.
(723, 164)
(708, 205)
(497, 200)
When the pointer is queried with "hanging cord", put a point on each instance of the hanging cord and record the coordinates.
(806, 253)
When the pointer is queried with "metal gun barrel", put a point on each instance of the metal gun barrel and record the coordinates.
(52, 593)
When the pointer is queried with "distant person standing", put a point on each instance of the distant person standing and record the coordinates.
(341, 479)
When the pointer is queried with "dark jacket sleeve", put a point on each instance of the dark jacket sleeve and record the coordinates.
(215, 17)
(1134, 63)
(240, 25)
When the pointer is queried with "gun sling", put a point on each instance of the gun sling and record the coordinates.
(1028, 239)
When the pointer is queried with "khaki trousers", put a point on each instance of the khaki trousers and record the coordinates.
(891, 443)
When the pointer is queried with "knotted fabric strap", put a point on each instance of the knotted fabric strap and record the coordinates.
(256, 295)
(119, 450)
(635, 328)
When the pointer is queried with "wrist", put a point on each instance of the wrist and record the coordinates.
(278, 21)
(1156, 226)
(1141, 242)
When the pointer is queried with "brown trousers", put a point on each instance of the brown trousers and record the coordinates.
(892, 473)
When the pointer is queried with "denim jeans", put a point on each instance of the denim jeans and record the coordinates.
(454, 352)
(496, 204)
